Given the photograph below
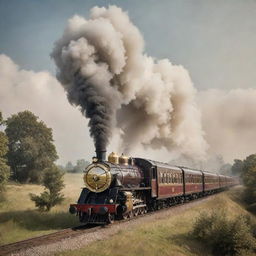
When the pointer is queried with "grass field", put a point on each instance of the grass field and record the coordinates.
(165, 237)
(19, 219)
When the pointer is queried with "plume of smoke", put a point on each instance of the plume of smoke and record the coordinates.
(104, 70)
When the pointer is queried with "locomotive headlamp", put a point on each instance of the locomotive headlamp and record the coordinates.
(97, 177)
(111, 201)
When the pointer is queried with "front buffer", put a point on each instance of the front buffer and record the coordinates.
(95, 214)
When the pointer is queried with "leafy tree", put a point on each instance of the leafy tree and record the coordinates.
(61, 167)
(225, 169)
(246, 169)
(81, 164)
(249, 178)
(237, 167)
(31, 147)
(53, 182)
(69, 167)
(4, 168)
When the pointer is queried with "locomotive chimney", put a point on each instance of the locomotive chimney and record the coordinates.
(101, 154)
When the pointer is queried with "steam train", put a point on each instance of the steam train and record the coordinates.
(124, 187)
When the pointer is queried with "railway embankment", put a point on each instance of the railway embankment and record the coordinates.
(166, 233)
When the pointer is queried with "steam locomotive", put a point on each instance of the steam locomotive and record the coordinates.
(124, 187)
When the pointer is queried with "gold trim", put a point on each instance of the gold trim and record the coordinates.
(97, 177)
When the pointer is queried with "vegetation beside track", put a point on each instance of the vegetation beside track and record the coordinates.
(19, 219)
(170, 236)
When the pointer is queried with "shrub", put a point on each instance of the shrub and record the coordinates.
(53, 182)
(224, 236)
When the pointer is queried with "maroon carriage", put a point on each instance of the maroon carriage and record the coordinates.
(211, 182)
(170, 181)
(222, 181)
(193, 184)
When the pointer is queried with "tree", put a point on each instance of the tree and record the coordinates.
(69, 167)
(53, 182)
(31, 147)
(225, 169)
(237, 167)
(249, 178)
(246, 169)
(4, 168)
(80, 165)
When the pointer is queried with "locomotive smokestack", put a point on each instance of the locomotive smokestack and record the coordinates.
(101, 154)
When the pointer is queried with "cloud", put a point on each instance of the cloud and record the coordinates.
(42, 94)
(228, 117)
(229, 121)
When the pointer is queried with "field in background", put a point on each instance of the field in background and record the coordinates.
(19, 219)
(166, 237)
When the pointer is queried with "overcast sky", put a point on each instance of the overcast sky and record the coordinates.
(213, 39)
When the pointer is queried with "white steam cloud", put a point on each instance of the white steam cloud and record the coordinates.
(42, 94)
(102, 66)
(229, 121)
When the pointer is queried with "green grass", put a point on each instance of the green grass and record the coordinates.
(170, 236)
(19, 219)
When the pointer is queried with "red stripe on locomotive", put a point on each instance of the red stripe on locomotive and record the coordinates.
(95, 207)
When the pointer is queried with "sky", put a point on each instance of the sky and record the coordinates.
(214, 40)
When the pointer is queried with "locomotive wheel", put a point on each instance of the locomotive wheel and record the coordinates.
(130, 214)
(135, 212)
(111, 218)
(125, 216)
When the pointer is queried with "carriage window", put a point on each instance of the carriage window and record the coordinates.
(154, 173)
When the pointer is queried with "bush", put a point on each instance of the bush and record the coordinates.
(53, 182)
(224, 236)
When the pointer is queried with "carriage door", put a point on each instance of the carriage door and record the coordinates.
(153, 182)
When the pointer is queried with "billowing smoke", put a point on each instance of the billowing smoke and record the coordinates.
(104, 70)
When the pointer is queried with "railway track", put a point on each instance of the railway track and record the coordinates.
(46, 239)
(15, 248)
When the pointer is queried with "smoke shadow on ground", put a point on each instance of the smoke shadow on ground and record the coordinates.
(38, 221)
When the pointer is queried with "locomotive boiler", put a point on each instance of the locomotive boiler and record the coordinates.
(122, 187)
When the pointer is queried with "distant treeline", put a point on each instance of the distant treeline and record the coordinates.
(78, 168)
